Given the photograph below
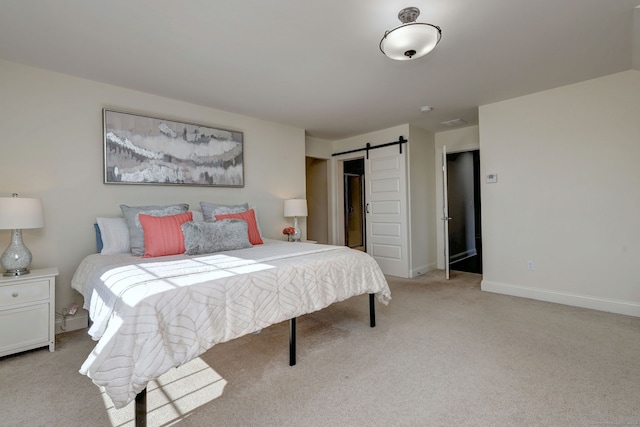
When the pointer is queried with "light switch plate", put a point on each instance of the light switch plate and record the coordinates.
(492, 177)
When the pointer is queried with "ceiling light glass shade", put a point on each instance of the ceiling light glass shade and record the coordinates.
(410, 41)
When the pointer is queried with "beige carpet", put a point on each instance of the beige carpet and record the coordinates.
(443, 354)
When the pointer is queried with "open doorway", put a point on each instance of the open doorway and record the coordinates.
(317, 174)
(465, 234)
(354, 218)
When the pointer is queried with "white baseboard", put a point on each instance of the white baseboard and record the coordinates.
(602, 304)
(79, 321)
(419, 271)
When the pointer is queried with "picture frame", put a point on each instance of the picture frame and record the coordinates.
(149, 150)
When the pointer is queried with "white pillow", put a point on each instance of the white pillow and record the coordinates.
(198, 216)
(115, 236)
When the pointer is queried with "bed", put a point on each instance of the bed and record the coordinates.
(150, 315)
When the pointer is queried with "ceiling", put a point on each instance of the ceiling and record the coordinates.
(316, 65)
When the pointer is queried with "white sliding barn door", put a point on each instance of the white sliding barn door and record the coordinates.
(386, 209)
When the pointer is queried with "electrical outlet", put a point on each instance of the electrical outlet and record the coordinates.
(530, 265)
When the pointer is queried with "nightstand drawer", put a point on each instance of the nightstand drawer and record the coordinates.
(24, 293)
(29, 328)
(27, 311)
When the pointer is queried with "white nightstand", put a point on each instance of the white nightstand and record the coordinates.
(27, 311)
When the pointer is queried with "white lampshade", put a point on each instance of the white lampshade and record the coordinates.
(20, 213)
(17, 213)
(295, 207)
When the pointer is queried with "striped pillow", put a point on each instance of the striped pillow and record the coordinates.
(163, 234)
(250, 217)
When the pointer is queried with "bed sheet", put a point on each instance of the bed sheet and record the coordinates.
(152, 314)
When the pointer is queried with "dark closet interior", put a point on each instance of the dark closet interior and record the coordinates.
(354, 218)
(465, 234)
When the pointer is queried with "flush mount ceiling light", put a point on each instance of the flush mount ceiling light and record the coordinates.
(411, 40)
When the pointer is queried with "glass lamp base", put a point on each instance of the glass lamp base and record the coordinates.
(17, 257)
(16, 272)
(295, 237)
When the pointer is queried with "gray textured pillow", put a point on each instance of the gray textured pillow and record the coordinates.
(209, 237)
(136, 234)
(210, 210)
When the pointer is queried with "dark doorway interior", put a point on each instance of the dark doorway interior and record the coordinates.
(465, 234)
(354, 226)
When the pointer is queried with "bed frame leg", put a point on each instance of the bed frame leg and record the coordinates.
(292, 329)
(141, 408)
(372, 310)
(292, 342)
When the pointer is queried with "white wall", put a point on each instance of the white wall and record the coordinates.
(52, 148)
(324, 230)
(567, 194)
(317, 173)
(456, 141)
(635, 53)
(348, 144)
(318, 148)
(422, 201)
(375, 138)
(337, 192)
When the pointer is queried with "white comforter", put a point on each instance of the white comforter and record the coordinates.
(153, 314)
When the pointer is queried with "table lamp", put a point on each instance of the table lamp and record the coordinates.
(17, 213)
(295, 208)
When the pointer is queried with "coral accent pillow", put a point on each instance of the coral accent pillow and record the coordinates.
(163, 234)
(250, 217)
(136, 233)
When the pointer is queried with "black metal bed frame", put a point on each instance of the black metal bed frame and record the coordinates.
(141, 398)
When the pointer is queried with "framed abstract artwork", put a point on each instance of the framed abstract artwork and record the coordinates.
(150, 150)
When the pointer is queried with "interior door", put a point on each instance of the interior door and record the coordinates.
(445, 212)
(386, 210)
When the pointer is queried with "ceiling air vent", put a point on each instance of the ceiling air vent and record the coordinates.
(454, 122)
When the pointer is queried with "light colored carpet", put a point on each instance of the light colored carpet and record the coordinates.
(442, 354)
